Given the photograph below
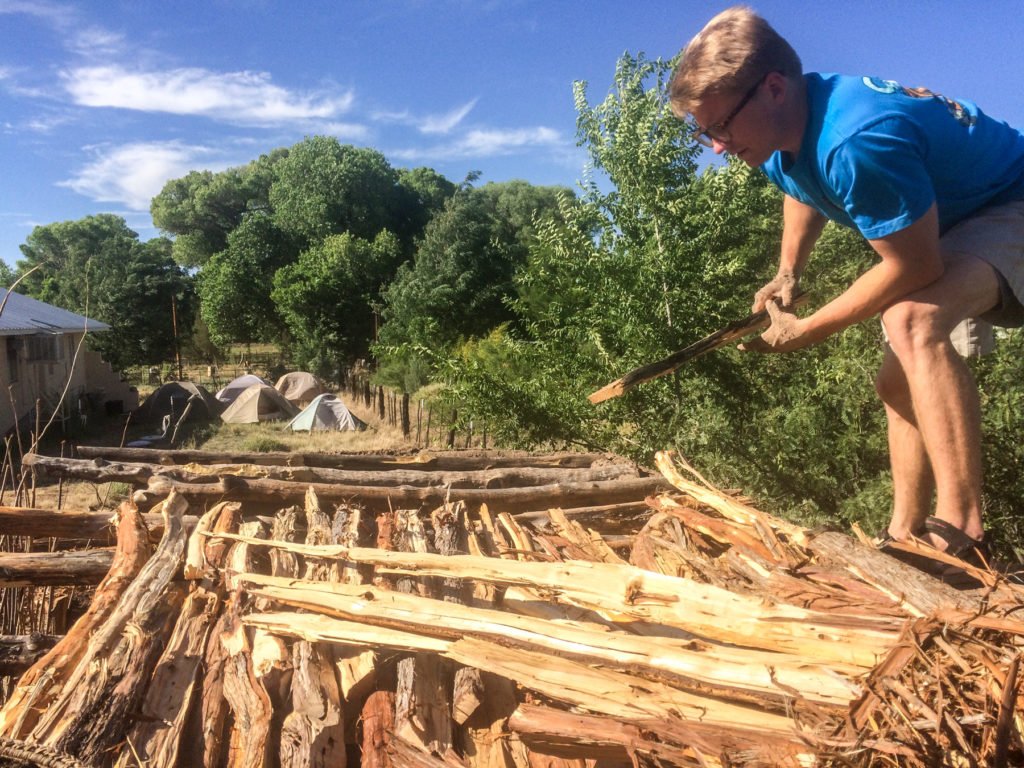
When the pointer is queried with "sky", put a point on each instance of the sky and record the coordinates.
(103, 101)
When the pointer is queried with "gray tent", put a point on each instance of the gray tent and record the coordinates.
(260, 402)
(173, 396)
(326, 412)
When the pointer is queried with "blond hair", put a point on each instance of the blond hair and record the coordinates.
(733, 51)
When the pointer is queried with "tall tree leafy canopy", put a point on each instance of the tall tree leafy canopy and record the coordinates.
(460, 279)
(327, 298)
(235, 285)
(97, 267)
(325, 188)
(202, 208)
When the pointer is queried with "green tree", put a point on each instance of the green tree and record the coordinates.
(202, 208)
(461, 278)
(326, 188)
(97, 266)
(327, 298)
(235, 285)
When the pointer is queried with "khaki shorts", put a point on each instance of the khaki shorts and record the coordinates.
(994, 235)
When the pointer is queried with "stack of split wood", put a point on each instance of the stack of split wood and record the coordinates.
(597, 617)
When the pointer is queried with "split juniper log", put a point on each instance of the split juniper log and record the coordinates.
(64, 568)
(434, 460)
(732, 332)
(736, 674)
(510, 500)
(629, 594)
(92, 714)
(38, 688)
(19, 652)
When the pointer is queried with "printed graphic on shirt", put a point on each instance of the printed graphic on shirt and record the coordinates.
(956, 109)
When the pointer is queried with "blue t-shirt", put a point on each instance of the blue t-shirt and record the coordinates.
(875, 156)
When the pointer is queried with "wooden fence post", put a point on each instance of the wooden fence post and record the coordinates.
(406, 429)
(451, 432)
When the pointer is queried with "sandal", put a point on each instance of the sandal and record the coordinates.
(974, 552)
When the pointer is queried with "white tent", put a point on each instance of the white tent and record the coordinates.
(326, 412)
(238, 386)
(260, 402)
(300, 387)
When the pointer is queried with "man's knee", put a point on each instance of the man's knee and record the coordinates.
(911, 325)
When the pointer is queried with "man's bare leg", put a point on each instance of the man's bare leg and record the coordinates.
(912, 479)
(942, 390)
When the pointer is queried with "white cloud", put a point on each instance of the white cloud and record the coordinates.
(445, 123)
(238, 97)
(133, 174)
(486, 143)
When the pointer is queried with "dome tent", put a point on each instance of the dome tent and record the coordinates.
(235, 387)
(300, 387)
(159, 402)
(326, 412)
(260, 402)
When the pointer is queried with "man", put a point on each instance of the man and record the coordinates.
(937, 189)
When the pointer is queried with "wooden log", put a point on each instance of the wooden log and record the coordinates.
(511, 500)
(37, 689)
(574, 734)
(444, 460)
(422, 695)
(378, 721)
(19, 652)
(74, 525)
(157, 731)
(40, 569)
(631, 594)
(101, 471)
(90, 721)
(249, 701)
(313, 733)
(739, 674)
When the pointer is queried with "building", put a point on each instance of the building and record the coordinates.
(43, 357)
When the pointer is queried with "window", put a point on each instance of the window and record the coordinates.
(42, 348)
(13, 361)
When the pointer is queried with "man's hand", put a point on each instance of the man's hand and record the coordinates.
(783, 287)
(784, 334)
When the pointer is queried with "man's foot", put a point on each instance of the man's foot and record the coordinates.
(972, 551)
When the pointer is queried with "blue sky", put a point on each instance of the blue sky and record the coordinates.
(101, 102)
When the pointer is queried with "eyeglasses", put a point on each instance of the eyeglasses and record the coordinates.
(719, 131)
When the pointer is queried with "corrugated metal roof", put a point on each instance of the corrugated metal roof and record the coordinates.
(23, 315)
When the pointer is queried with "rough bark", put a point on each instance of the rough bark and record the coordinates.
(38, 688)
(61, 568)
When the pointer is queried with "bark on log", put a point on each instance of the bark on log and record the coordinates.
(574, 734)
(19, 652)
(378, 719)
(422, 697)
(436, 460)
(37, 689)
(91, 721)
(138, 474)
(62, 568)
(250, 703)
(511, 500)
(74, 525)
